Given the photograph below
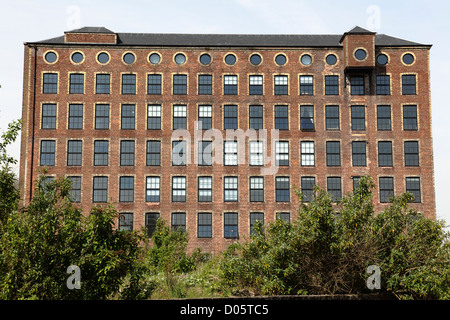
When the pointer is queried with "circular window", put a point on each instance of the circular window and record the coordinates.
(360, 54)
(255, 59)
(382, 59)
(306, 59)
(205, 59)
(51, 57)
(128, 58)
(280, 60)
(180, 58)
(103, 57)
(331, 59)
(77, 57)
(154, 58)
(408, 58)
(230, 59)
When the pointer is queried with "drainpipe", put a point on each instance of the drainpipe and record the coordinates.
(33, 122)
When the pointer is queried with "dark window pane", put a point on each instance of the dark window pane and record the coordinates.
(385, 154)
(411, 153)
(50, 83)
(332, 85)
(386, 189)
(101, 148)
(128, 84)
(332, 117)
(281, 118)
(359, 153)
(357, 85)
(358, 117)
(307, 118)
(256, 117)
(333, 153)
(334, 188)
(384, 118)
(101, 116)
(410, 118)
(102, 84)
(409, 84)
(154, 84)
(230, 117)
(76, 83)
(413, 187)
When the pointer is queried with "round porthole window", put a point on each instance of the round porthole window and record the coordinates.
(180, 58)
(382, 59)
(306, 59)
(280, 60)
(408, 59)
(77, 57)
(360, 54)
(230, 59)
(331, 59)
(103, 57)
(129, 58)
(205, 59)
(50, 57)
(154, 58)
(255, 59)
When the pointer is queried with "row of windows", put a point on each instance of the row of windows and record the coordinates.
(230, 84)
(257, 154)
(256, 191)
(230, 117)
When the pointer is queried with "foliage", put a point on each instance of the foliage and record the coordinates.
(328, 248)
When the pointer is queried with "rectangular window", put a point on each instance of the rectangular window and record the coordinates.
(126, 221)
(180, 84)
(75, 191)
(230, 85)
(150, 222)
(358, 117)
(282, 153)
(230, 153)
(101, 116)
(75, 116)
(204, 225)
(154, 84)
(332, 117)
(204, 189)
(359, 153)
(128, 117)
(127, 153)
(334, 188)
(126, 189)
(256, 154)
(153, 153)
(256, 85)
(230, 225)
(306, 85)
(101, 148)
(383, 85)
(385, 154)
(76, 83)
(178, 189)
(102, 83)
(74, 152)
(205, 84)
(254, 217)
(179, 152)
(411, 153)
(205, 117)
(100, 189)
(50, 83)
(204, 153)
(230, 117)
(128, 84)
(47, 153)
(281, 117)
(284, 216)
(179, 117)
(307, 118)
(154, 117)
(152, 189)
(256, 117)
(386, 189)
(256, 189)
(413, 187)
(355, 183)
(230, 189)
(357, 85)
(333, 153)
(384, 118)
(307, 153)
(282, 189)
(331, 85)
(307, 184)
(281, 85)
(410, 118)
(409, 84)
(48, 116)
(179, 221)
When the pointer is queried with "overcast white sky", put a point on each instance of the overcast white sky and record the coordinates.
(415, 20)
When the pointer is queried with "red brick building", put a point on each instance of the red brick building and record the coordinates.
(102, 108)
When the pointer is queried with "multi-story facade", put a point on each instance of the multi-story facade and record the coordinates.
(120, 114)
